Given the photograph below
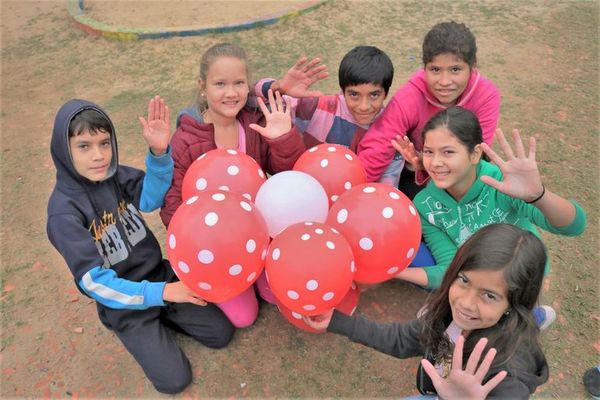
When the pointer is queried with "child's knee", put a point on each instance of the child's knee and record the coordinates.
(244, 320)
(224, 336)
(174, 381)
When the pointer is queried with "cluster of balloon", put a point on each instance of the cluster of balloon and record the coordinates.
(382, 226)
(291, 197)
(335, 167)
(210, 257)
(347, 306)
(309, 267)
(223, 169)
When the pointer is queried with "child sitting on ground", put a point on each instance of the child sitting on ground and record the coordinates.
(485, 301)
(228, 123)
(94, 221)
(466, 193)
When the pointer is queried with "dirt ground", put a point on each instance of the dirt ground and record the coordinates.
(543, 56)
(182, 13)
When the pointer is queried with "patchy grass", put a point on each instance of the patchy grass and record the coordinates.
(543, 56)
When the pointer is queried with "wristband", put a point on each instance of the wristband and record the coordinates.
(539, 197)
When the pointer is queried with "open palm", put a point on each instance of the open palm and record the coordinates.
(466, 383)
(521, 177)
(156, 130)
(279, 120)
(301, 76)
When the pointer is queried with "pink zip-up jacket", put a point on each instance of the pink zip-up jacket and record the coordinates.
(410, 109)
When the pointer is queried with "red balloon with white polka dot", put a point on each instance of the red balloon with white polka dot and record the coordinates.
(217, 243)
(347, 306)
(335, 167)
(382, 226)
(309, 267)
(223, 169)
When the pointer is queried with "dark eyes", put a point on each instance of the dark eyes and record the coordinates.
(489, 296)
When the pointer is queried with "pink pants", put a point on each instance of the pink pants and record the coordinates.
(243, 309)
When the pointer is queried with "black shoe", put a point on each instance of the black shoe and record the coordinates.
(591, 382)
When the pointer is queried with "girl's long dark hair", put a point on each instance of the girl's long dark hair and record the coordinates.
(522, 257)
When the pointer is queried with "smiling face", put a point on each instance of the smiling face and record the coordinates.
(225, 87)
(447, 76)
(478, 298)
(449, 163)
(364, 101)
(91, 154)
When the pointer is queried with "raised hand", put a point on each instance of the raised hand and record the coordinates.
(279, 120)
(177, 292)
(319, 322)
(298, 79)
(467, 383)
(156, 129)
(522, 179)
(406, 148)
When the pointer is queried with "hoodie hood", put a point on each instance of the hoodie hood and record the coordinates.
(419, 81)
(66, 175)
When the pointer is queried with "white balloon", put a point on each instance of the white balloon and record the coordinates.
(291, 197)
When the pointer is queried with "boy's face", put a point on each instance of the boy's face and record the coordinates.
(447, 76)
(364, 101)
(91, 154)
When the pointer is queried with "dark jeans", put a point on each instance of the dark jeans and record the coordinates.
(146, 336)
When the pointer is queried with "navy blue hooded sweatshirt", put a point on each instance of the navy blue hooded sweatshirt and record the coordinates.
(97, 226)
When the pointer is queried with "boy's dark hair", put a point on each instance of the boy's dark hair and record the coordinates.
(450, 37)
(498, 247)
(90, 120)
(366, 64)
(461, 122)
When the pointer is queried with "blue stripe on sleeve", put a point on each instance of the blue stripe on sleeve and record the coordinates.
(104, 286)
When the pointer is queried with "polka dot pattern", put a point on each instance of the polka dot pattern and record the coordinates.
(223, 169)
(246, 206)
(365, 243)
(307, 268)
(293, 295)
(183, 267)
(218, 197)
(335, 166)
(215, 245)
(235, 270)
(369, 205)
(211, 219)
(191, 200)
(233, 170)
(206, 256)
(312, 285)
(201, 184)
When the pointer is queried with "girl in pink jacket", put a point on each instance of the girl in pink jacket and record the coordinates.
(449, 78)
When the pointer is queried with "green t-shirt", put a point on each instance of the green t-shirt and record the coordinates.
(448, 223)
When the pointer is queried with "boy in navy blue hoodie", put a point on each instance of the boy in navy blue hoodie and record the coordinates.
(94, 221)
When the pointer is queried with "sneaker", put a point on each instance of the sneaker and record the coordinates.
(544, 316)
(591, 382)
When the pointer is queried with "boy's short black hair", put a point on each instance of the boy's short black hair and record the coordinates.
(90, 120)
(366, 64)
(450, 37)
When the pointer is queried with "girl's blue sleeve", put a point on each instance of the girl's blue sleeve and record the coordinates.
(104, 286)
(159, 174)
